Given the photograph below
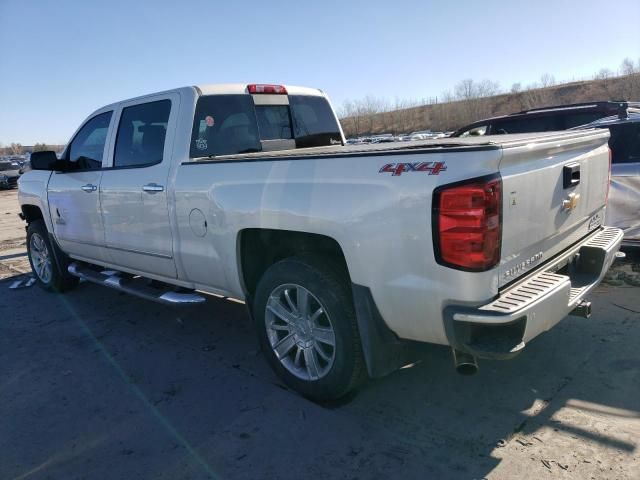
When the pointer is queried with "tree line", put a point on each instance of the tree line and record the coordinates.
(472, 100)
(17, 149)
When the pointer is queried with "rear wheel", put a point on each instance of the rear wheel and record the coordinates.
(45, 266)
(307, 328)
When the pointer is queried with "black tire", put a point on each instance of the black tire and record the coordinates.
(59, 279)
(330, 288)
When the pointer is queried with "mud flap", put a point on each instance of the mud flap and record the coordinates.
(383, 351)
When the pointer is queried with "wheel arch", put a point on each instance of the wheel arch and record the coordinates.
(259, 248)
(31, 213)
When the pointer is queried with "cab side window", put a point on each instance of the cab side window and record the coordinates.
(141, 134)
(87, 147)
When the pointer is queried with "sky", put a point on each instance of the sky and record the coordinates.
(60, 60)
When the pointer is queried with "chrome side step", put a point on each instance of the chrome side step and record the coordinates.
(135, 286)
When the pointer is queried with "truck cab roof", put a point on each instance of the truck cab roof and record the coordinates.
(218, 89)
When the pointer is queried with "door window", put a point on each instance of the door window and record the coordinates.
(141, 134)
(87, 147)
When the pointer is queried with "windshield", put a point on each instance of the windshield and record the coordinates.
(233, 124)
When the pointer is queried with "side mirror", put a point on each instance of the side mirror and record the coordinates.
(46, 160)
(43, 160)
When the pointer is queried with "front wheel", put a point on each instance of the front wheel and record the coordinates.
(307, 328)
(43, 263)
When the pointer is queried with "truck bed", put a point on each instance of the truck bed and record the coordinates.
(399, 148)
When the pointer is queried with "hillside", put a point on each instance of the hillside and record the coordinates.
(452, 115)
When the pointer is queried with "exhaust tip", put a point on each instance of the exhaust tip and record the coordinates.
(465, 363)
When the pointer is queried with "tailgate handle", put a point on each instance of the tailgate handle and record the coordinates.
(571, 175)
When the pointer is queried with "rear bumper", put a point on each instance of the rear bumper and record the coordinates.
(501, 328)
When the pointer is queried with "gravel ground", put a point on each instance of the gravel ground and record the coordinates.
(96, 384)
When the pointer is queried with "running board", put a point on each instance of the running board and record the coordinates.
(134, 286)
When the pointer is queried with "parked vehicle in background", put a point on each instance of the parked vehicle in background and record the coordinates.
(621, 118)
(547, 119)
(386, 138)
(9, 174)
(25, 167)
(425, 135)
(344, 255)
(623, 208)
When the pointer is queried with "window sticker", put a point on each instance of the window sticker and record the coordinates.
(201, 144)
(209, 121)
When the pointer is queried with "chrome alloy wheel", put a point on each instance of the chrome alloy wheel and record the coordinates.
(300, 332)
(40, 258)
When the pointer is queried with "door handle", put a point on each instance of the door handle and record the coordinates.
(152, 188)
(570, 175)
(89, 188)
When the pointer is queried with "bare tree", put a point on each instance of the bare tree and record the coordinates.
(370, 106)
(627, 67)
(604, 80)
(516, 87)
(16, 149)
(350, 118)
(603, 74)
(41, 147)
(630, 81)
(547, 80)
(487, 88)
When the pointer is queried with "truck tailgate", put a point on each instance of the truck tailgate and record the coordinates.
(552, 197)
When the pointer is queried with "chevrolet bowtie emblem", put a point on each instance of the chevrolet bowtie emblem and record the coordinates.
(572, 202)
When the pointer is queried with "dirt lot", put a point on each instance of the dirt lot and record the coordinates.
(95, 384)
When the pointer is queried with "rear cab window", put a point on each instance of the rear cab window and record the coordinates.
(243, 123)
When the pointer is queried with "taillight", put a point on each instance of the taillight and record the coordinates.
(467, 224)
(264, 88)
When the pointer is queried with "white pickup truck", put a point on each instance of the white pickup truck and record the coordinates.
(345, 255)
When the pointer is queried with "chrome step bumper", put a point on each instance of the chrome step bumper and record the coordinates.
(501, 328)
(135, 286)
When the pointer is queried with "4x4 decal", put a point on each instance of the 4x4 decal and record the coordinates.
(396, 169)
